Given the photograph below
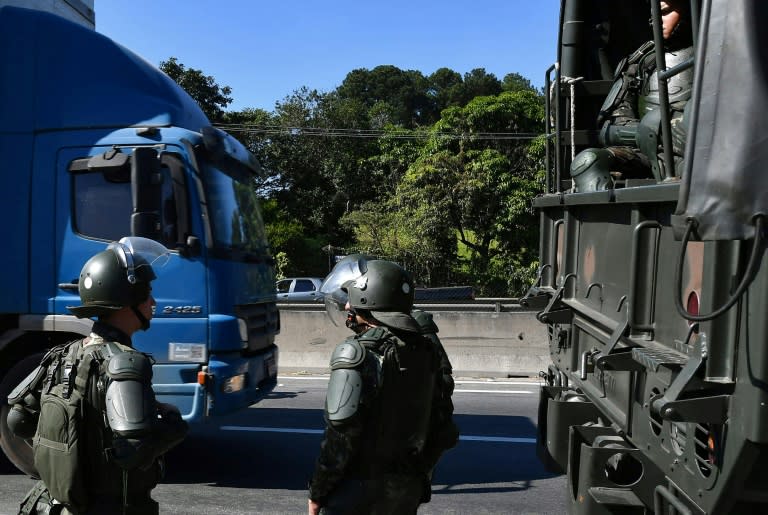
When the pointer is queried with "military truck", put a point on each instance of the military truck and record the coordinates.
(97, 144)
(655, 290)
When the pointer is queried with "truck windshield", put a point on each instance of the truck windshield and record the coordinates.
(235, 216)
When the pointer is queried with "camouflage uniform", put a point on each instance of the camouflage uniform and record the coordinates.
(630, 120)
(120, 472)
(381, 460)
(111, 416)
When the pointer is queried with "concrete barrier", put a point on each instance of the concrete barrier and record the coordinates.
(479, 344)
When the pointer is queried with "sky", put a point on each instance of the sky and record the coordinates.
(266, 49)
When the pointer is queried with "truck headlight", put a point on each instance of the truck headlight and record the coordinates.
(233, 384)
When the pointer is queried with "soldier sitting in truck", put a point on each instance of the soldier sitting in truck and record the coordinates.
(630, 116)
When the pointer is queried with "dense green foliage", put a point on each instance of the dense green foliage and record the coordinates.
(212, 98)
(436, 172)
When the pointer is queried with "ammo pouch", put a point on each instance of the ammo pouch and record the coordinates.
(57, 446)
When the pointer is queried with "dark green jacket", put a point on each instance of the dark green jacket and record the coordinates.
(404, 422)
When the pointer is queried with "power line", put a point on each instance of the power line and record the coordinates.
(329, 132)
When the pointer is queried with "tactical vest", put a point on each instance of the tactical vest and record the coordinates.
(72, 443)
(399, 405)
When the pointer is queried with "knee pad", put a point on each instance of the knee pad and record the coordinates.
(591, 171)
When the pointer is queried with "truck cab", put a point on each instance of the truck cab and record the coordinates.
(98, 144)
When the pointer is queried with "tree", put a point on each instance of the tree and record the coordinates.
(450, 208)
(447, 89)
(479, 83)
(408, 234)
(516, 82)
(298, 251)
(204, 89)
(483, 187)
(405, 92)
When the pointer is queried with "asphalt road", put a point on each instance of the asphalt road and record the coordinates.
(259, 461)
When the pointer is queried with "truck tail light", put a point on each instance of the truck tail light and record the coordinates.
(712, 455)
(693, 305)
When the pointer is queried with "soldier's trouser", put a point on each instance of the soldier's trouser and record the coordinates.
(38, 501)
(390, 494)
(146, 506)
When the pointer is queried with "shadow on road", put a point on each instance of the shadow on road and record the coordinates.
(6, 467)
(272, 460)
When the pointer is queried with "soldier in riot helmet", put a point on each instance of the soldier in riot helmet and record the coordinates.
(388, 410)
(124, 431)
(630, 117)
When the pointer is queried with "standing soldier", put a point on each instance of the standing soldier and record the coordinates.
(98, 434)
(388, 409)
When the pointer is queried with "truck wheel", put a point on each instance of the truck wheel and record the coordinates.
(16, 449)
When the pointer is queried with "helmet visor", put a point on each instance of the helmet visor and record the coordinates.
(136, 252)
(334, 308)
(334, 287)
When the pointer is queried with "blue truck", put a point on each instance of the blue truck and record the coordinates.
(97, 144)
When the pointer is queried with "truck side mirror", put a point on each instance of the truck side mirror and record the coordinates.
(146, 193)
(191, 247)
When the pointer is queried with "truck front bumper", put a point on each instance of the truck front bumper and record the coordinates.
(230, 382)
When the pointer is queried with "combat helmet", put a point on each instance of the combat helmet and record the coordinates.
(119, 276)
(383, 288)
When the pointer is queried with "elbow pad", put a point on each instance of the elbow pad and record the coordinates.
(345, 384)
(130, 400)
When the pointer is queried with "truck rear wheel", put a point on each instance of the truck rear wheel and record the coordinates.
(16, 449)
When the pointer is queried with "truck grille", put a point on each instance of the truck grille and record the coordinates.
(263, 323)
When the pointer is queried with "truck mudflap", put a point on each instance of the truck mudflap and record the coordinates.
(559, 408)
(608, 475)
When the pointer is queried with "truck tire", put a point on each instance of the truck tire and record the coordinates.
(17, 450)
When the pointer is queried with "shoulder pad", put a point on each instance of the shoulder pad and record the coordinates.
(343, 398)
(130, 365)
(425, 320)
(348, 354)
(638, 55)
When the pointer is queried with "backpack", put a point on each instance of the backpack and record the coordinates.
(63, 380)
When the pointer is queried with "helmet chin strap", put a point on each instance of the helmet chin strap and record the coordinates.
(142, 319)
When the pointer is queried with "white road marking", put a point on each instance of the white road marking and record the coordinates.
(469, 438)
(457, 381)
(492, 391)
(307, 378)
(474, 391)
(494, 383)
(503, 439)
(273, 430)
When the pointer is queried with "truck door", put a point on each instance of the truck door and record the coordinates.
(94, 207)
